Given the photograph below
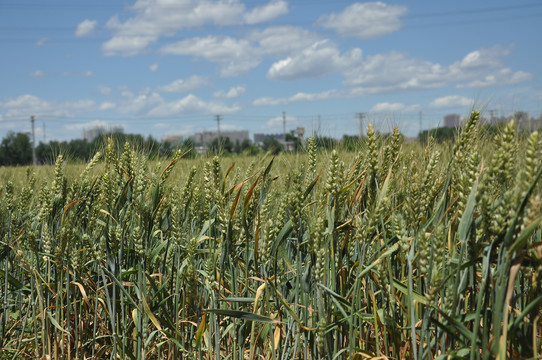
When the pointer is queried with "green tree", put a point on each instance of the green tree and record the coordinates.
(222, 145)
(324, 142)
(16, 149)
(351, 142)
(439, 134)
(291, 137)
(190, 146)
(272, 145)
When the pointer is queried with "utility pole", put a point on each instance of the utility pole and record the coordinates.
(44, 133)
(218, 118)
(491, 116)
(360, 116)
(32, 119)
(319, 126)
(284, 126)
(420, 122)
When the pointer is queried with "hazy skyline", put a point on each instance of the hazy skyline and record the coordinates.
(166, 67)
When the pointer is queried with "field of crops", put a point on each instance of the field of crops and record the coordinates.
(403, 251)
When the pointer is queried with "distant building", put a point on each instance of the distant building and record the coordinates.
(260, 137)
(173, 139)
(301, 134)
(207, 137)
(452, 120)
(288, 145)
(93, 133)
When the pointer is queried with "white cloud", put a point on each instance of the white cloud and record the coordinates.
(104, 90)
(320, 59)
(504, 76)
(278, 120)
(42, 41)
(396, 72)
(233, 92)
(40, 73)
(127, 45)
(267, 12)
(393, 72)
(139, 104)
(452, 101)
(153, 19)
(86, 73)
(150, 103)
(107, 105)
(37, 73)
(153, 67)
(184, 85)
(281, 40)
(26, 105)
(300, 96)
(269, 101)
(86, 27)
(238, 56)
(365, 20)
(190, 104)
(234, 56)
(394, 107)
(213, 48)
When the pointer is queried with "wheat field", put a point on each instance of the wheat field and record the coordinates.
(400, 251)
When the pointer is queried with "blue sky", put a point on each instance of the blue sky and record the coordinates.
(167, 67)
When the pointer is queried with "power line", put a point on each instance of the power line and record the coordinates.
(451, 13)
(32, 119)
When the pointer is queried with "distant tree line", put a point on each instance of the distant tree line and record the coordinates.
(16, 148)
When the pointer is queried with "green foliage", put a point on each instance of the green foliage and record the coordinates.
(272, 145)
(440, 134)
(16, 149)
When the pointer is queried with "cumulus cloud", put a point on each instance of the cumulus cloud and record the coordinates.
(104, 90)
(85, 27)
(153, 67)
(37, 73)
(397, 72)
(281, 40)
(235, 56)
(147, 102)
(127, 45)
(451, 101)
(232, 93)
(300, 96)
(184, 85)
(42, 41)
(504, 76)
(107, 105)
(138, 104)
(26, 105)
(320, 59)
(365, 20)
(267, 12)
(394, 107)
(190, 104)
(153, 19)
(278, 120)
(238, 56)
